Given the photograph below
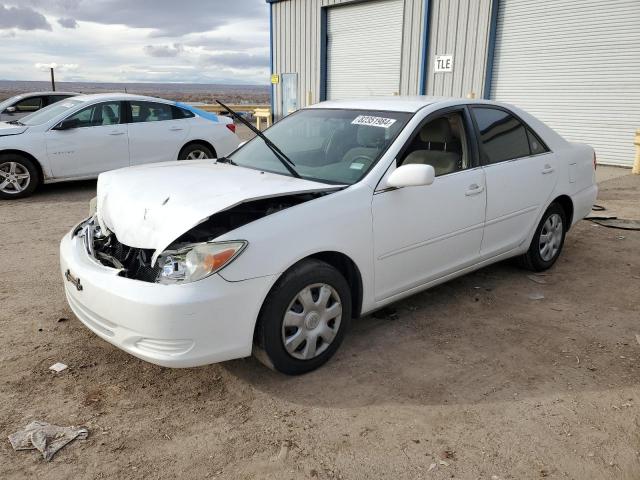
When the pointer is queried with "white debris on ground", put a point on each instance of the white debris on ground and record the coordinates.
(46, 438)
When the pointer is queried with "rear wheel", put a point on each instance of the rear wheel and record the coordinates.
(18, 176)
(196, 151)
(547, 241)
(304, 318)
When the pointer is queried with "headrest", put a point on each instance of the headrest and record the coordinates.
(437, 131)
(370, 136)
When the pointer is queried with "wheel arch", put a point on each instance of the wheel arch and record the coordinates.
(567, 205)
(201, 142)
(35, 161)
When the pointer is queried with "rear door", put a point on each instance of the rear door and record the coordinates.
(521, 174)
(98, 143)
(155, 134)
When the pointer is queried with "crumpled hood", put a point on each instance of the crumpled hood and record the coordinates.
(152, 205)
(11, 129)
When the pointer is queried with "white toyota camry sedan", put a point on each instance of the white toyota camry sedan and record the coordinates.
(83, 136)
(336, 211)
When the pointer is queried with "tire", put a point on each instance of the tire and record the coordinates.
(538, 258)
(290, 299)
(197, 151)
(19, 176)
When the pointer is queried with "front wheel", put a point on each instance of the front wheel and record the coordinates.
(18, 176)
(304, 318)
(547, 241)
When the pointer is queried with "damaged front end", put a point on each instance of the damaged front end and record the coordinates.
(193, 255)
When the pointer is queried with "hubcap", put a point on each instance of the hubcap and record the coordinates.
(197, 155)
(550, 237)
(311, 321)
(14, 178)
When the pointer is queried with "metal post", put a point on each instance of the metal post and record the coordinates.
(53, 81)
(636, 163)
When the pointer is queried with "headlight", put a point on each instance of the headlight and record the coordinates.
(197, 261)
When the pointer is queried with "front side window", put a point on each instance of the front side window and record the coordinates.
(503, 137)
(150, 112)
(327, 145)
(30, 104)
(107, 113)
(441, 143)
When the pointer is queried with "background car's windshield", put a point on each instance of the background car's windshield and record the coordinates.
(49, 113)
(336, 146)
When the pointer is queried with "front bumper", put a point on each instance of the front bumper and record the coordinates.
(208, 321)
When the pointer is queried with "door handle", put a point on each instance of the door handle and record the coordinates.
(474, 189)
(176, 129)
(547, 169)
(116, 133)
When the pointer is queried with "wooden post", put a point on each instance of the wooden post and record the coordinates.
(636, 163)
(53, 81)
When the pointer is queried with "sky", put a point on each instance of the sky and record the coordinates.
(192, 41)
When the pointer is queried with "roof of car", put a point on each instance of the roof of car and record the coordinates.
(118, 96)
(392, 104)
(35, 94)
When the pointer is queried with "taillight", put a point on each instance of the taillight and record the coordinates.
(232, 127)
(595, 165)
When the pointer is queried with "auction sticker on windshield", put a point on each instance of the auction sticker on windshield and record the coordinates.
(373, 121)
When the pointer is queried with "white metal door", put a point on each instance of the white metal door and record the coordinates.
(364, 43)
(575, 64)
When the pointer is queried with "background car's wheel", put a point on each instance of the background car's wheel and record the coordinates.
(196, 151)
(18, 176)
(304, 318)
(548, 240)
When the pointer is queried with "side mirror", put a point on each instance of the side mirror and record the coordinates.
(11, 110)
(413, 175)
(67, 124)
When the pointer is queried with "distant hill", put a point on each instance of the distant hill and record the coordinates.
(183, 92)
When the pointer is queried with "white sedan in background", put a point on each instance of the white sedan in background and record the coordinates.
(85, 135)
(336, 211)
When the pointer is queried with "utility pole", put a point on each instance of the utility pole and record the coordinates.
(53, 81)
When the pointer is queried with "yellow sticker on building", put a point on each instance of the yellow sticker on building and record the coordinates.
(275, 78)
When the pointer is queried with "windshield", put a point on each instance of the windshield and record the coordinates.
(49, 113)
(333, 146)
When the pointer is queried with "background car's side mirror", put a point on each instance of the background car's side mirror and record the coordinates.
(412, 175)
(11, 110)
(67, 124)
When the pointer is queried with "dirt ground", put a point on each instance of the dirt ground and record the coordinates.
(470, 380)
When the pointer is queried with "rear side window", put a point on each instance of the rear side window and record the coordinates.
(180, 113)
(150, 112)
(56, 98)
(503, 136)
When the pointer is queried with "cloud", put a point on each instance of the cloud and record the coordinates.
(162, 17)
(237, 60)
(164, 51)
(65, 67)
(22, 18)
(68, 22)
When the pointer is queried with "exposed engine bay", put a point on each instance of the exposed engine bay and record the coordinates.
(135, 263)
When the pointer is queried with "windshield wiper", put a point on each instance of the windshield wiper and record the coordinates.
(286, 161)
(226, 160)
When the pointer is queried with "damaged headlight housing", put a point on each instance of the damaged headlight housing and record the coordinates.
(197, 261)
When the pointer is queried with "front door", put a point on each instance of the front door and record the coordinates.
(97, 143)
(289, 93)
(427, 232)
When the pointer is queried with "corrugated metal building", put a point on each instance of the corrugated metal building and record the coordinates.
(573, 63)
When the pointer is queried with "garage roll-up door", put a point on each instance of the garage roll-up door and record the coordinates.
(575, 64)
(364, 44)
